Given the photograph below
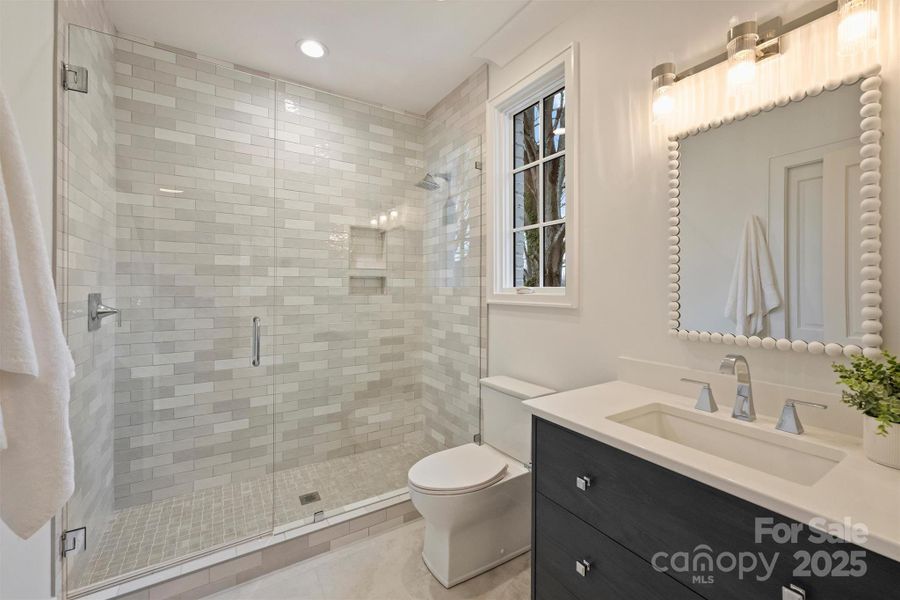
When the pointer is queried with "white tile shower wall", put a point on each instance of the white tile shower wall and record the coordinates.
(348, 294)
(85, 256)
(239, 239)
(195, 217)
(453, 354)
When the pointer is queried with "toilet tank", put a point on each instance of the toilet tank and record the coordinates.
(505, 422)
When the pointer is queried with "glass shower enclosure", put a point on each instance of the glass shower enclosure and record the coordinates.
(293, 322)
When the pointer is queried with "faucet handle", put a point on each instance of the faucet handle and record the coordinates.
(789, 421)
(705, 401)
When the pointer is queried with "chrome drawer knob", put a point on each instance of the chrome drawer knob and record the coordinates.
(792, 592)
(582, 567)
(583, 482)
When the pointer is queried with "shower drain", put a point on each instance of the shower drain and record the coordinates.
(309, 498)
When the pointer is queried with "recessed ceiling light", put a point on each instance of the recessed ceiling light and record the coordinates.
(312, 48)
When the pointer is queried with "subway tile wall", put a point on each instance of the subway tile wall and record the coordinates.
(239, 197)
(195, 263)
(455, 312)
(348, 318)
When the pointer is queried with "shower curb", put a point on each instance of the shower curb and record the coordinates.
(242, 562)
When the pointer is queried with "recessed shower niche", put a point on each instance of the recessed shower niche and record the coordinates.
(368, 260)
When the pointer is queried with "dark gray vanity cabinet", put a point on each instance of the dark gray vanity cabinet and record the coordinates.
(609, 525)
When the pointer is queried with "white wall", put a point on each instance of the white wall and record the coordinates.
(26, 78)
(624, 179)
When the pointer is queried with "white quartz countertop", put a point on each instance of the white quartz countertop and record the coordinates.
(856, 488)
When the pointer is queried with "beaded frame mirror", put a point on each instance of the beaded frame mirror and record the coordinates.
(870, 224)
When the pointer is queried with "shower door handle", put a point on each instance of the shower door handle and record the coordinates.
(254, 343)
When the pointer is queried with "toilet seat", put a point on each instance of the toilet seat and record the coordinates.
(459, 470)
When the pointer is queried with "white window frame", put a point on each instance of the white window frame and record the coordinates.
(560, 71)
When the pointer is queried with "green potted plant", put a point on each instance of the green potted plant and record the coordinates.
(873, 388)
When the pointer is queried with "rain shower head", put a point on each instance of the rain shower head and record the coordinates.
(430, 182)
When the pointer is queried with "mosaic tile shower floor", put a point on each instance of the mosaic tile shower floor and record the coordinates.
(142, 536)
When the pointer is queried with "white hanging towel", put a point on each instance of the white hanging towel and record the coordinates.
(37, 466)
(754, 287)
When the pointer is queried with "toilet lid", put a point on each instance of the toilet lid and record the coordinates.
(462, 469)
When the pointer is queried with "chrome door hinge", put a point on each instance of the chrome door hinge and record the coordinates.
(73, 541)
(75, 78)
(478, 164)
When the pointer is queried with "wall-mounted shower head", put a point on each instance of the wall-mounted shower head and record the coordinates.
(430, 182)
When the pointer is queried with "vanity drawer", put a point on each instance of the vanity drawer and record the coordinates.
(649, 509)
(549, 588)
(615, 573)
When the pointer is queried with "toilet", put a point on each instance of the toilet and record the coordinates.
(476, 498)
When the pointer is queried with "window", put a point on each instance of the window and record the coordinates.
(531, 184)
(538, 233)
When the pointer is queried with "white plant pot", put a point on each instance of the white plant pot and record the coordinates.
(884, 450)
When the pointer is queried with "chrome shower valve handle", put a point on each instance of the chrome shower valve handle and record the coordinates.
(97, 311)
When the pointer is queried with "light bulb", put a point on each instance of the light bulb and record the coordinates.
(663, 103)
(741, 47)
(663, 100)
(858, 25)
(742, 72)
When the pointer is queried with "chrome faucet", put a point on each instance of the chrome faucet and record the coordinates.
(705, 401)
(735, 364)
(789, 420)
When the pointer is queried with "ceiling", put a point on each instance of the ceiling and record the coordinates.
(405, 54)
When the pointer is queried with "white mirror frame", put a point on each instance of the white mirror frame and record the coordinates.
(870, 221)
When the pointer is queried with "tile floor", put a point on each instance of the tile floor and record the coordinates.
(385, 567)
(149, 534)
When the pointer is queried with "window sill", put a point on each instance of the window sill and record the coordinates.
(548, 300)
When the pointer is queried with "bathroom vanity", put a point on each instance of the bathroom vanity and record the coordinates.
(622, 510)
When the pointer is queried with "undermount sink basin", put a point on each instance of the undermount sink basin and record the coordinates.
(794, 460)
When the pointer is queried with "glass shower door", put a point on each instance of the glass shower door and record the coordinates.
(369, 266)
(168, 216)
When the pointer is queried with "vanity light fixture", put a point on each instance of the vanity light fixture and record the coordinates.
(858, 25)
(663, 78)
(750, 42)
(741, 48)
(312, 48)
